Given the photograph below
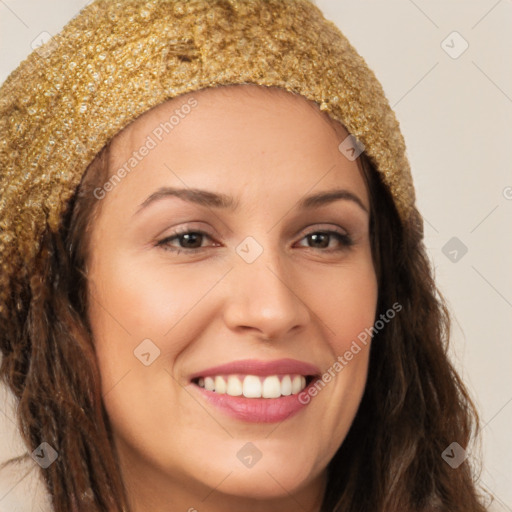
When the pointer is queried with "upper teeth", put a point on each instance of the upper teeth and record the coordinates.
(252, 386)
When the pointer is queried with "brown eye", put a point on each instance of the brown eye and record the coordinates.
(324, 239)
(190, 240)
(187, 240)
(319, 240)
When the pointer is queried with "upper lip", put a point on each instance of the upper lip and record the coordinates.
(261, 368)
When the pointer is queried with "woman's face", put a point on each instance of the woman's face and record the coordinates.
(238, 235)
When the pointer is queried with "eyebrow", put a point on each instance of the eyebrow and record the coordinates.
(192, 195)
(219, 200)
(323, 198)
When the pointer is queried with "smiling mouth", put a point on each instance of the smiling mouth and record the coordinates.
(255, 386)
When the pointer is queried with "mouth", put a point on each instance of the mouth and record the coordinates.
(255, 386)
(256, 391)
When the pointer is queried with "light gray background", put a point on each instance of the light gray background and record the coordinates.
(455, 114)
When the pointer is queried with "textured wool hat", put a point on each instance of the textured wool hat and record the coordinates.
(117, 59)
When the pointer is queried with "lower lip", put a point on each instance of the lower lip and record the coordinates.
(255, 410)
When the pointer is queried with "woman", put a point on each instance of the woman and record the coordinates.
(215, 294)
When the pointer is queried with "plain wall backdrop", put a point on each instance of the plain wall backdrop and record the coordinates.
(446, 68)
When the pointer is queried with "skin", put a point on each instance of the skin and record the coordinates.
(304, 298)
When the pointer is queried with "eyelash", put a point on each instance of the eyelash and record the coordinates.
(344, 239)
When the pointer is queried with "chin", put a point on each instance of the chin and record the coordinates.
(272, 477)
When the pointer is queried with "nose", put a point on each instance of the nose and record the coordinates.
(262, 299)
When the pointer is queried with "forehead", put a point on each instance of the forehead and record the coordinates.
(248, 101)
(237, 139)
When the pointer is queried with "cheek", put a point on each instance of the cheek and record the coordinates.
(134, 306)
(352, 316)
(345, 300)
(346, 307)
(132, 303)
(146, 300)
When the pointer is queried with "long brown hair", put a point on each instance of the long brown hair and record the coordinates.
(414, 404)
